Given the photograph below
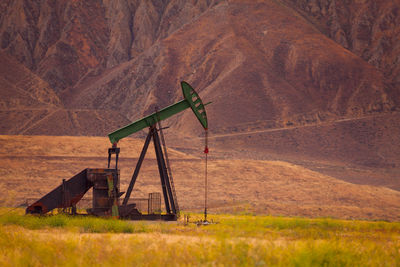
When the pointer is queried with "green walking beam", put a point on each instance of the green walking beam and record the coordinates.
(191, 99)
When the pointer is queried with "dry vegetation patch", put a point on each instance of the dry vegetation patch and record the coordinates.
(39, 163)
(237, 240)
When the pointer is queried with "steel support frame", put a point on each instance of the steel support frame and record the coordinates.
(169, 200)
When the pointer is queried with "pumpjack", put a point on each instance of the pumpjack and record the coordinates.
(105, 183)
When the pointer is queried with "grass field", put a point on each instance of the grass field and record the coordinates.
(236, 240)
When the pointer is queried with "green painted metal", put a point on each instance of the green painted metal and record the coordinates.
(191, 100)
(111, 193)
(195, 103)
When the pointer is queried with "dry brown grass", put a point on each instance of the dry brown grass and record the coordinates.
(31, 166)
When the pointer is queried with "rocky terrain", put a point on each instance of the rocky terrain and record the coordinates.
(130, 55)
(311, 82)
(367, 28)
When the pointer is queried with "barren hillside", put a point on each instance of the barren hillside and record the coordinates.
(260, 60)
(313, 83)
(370, 29)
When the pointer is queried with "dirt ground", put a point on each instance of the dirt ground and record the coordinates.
(31, 166)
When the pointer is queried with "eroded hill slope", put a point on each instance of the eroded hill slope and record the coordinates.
(311, 80)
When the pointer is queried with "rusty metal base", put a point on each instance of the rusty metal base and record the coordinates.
(151, 217)
(130, 212)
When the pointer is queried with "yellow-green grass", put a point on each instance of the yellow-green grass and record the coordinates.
(237, 240)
